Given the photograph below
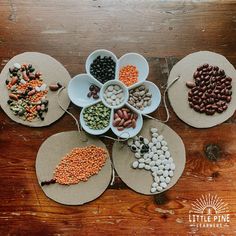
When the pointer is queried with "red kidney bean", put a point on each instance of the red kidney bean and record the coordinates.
(210, 90)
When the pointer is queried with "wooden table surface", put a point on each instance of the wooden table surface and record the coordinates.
(164, 32)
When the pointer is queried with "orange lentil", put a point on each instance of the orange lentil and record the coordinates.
(80, 164)
(128, 75)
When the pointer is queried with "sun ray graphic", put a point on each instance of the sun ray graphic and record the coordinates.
(207, 202)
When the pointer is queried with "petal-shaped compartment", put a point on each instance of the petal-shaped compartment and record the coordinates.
(95, 120)
(148, 103)
(78, 90)
(127, 132)
(100, 73)
(136, 60)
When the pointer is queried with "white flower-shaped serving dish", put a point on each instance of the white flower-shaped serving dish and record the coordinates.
(79, 87)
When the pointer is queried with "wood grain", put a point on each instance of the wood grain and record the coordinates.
(164, 32)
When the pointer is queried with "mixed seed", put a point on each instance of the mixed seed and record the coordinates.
(153, 156)
(97, 116)
(140, 97)
(27, 92)
(114, 95)
(124, 118)
(103, 69)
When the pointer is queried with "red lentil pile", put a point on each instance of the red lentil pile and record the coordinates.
(128, 75)
(80, 164)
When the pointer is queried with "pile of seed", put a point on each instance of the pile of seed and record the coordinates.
(124, 118)
(97, 116)
(153, 156)
(103, 69)
(93, 91)
(140, 97)
(210, 91)
(80, 164)
(114, 95)
(128, 75)
(27, 92)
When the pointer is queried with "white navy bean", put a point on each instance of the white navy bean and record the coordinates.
(135, 164)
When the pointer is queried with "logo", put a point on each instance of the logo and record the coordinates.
(209, 211)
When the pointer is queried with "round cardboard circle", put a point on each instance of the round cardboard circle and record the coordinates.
(52, 72)
(49, 155)
(178, 92)
(140, 180)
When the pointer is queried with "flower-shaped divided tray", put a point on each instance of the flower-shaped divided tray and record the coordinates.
(79, 88)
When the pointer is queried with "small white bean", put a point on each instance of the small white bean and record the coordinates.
(154, 130)
(146, 141)
(156, 178)
(154, 185)
(153, 190)
(150, 145)
(135, 164)
(159, 188)
(164, 148)
(162, 157)
(165, 173)
(154, 149)
(137, 155)
(161, 167)
(137, 143)
(159, 172)
(154, 140)
(167, 167)
(147, 167)
(167, 154)
(158, 162)
(163, 185)
(155, 135)
(146, 155)
(167, 179)
(141, 160)
(159, 152)
(141, 165)
(171, 173)
(154, 169)
(158, 145)
(162, 179)
(163, 143)
(148, 160)
(152, 163)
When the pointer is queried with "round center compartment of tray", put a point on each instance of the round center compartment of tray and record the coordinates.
(114, 94)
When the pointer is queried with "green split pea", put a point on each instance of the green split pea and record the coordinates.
(97, 116)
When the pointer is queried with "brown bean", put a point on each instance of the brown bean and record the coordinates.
(190, 84)
(120, 114)
(14, 79)
(116, 122)
(125, 115)
(133, 123)
(120, 128)
(121, 122)
(126, 123)
(53, 87)
(13, 96)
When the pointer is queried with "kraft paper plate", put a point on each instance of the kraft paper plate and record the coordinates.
(140, 180)
(49, 155)
(178, 92)
(52, 72)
